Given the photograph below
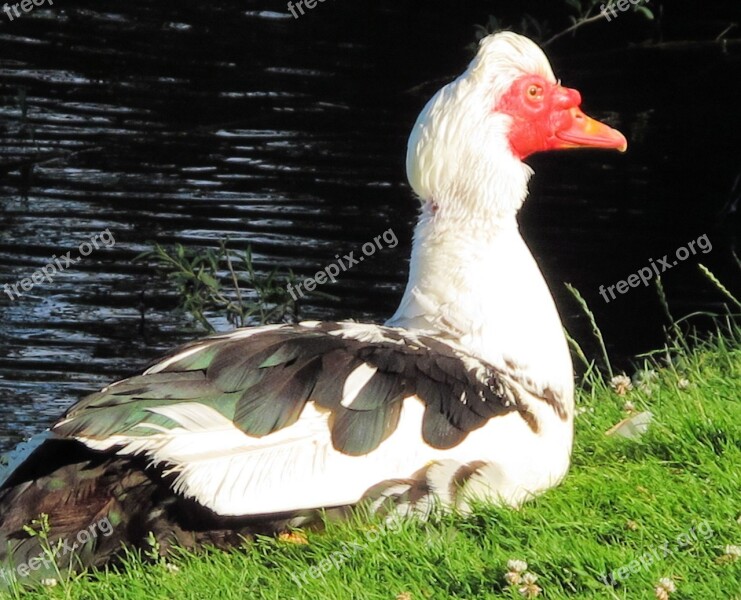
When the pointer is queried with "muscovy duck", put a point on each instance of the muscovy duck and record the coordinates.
(465, 393)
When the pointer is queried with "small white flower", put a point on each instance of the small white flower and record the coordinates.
(661, 594)
(513, 578)
(629, 407)
(683, 383)
(666, 586)
(529, 578)
(529, 589)
(517, 566)
(518, 576)
(621, 384)
(732, 554)
(172, 568)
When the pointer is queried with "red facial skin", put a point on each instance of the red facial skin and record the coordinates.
(546, 116)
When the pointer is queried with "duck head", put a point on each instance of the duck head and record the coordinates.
(467, 146)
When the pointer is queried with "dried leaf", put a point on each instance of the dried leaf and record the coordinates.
(294, 537)
(633, 427)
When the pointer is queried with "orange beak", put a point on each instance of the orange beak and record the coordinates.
(581, 131)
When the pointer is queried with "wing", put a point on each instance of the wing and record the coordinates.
(232, 414)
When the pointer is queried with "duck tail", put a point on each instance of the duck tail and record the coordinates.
(66, 507)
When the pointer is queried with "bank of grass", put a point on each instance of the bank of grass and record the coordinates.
(624, 499)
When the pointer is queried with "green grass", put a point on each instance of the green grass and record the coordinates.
(622, 499)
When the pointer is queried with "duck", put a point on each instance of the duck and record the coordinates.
(465, 394)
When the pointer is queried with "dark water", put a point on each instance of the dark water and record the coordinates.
(186, 122)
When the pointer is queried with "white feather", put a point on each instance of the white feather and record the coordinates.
(355, 382)
(297, 468)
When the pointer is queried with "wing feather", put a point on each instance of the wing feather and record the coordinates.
(277, 400)
(261, 380)
(359, 432)
(254, 386)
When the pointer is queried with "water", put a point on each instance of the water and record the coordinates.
(186, 122)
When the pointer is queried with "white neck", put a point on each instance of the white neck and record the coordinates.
(472, 278)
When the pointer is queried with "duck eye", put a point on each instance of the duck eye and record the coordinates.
(535, 92)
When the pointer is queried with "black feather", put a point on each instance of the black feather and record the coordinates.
(380, 390)
(277, 400)
(359, 432)
(263, 381)
(438, 431)
(336, 367)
